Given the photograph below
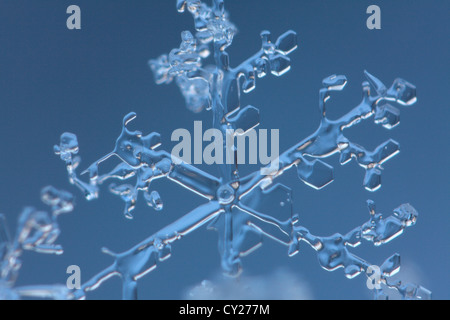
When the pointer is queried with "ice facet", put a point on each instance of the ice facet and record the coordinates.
(287, 42)
(372, 180)
(388, 116)
(316, 174)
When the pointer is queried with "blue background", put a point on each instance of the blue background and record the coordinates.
(84, 81)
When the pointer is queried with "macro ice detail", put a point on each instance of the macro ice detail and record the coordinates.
(240, 208)
(36, 231)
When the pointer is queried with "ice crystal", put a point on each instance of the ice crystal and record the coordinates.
(36, 231)
(237, 207)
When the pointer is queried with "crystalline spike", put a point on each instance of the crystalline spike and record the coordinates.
(54, 292)
(5, 239)
(380, 88)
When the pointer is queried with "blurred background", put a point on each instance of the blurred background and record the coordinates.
(84, 81)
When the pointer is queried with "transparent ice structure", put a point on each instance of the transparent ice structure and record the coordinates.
(234, 205)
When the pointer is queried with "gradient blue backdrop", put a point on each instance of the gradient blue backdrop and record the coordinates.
(84, 81)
